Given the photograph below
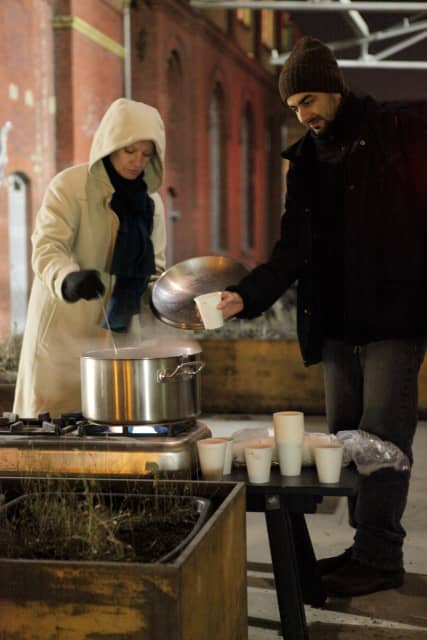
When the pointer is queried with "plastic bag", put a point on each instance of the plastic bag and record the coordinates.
(312, 440)
(248, 438)
(369, 453)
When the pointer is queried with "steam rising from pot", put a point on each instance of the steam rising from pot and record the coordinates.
(149, 338)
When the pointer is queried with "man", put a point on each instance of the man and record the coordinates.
(354, 237)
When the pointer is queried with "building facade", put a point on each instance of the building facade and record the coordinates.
(207, 71)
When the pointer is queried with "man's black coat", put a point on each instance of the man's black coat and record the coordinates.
(383, 266)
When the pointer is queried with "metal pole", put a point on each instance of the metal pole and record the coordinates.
(368, 63)
(384, 64)
(358, 24)
(313, 6)
(399, 46)
(377, 36)
(127, 41)
(4, 132)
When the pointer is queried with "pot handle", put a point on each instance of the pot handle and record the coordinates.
(185, 368)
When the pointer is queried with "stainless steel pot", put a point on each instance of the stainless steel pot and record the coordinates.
(140, 386)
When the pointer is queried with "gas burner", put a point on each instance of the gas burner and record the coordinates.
(72, 445)
(170, 430)
(77, 424)
(43, 425)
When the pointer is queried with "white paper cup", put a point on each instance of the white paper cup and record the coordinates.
(211, 453)
(290, 458)
(312, 440)
(289, 427)
(228, 459)
(328, 460)
(207, 303)
(258, 463)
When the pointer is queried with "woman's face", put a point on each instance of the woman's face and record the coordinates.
(130, 161)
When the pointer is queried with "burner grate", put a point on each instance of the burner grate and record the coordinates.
(77, 424)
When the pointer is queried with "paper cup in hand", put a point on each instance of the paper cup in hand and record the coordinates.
(258, 463)
(289, 427)
(328, 460)
(211, 453)
(207, 303)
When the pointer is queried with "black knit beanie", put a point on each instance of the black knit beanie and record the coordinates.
(311, 66)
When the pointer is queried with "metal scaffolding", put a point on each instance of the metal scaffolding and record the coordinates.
(313, 5)
(406, 33)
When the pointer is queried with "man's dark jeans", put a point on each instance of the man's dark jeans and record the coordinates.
(374, 387)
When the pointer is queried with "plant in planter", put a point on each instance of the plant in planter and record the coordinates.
(10, 349)
(87, 525)
(186, 597)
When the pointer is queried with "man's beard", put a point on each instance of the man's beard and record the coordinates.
(322, 130)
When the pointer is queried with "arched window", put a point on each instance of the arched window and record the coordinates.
(175, 98)
(173, 215)
(18, 189)
(176, 159)
(218, 170)
(248, 192)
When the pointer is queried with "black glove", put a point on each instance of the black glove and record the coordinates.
(82, 284)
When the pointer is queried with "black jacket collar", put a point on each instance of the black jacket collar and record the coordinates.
(344, 128)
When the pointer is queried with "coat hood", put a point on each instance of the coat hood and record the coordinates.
(125, 122)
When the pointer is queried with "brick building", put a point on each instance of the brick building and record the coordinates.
(64, 61)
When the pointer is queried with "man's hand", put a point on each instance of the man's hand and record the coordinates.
(231, 303)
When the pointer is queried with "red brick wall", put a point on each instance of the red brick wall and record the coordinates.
(206, 55)
(55, 84)
(26, 99)
(88, 76)
(43, 52)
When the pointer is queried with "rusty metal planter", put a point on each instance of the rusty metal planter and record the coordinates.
(199, 596)
(258, 376)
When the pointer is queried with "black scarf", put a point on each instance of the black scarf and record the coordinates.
(133, 259)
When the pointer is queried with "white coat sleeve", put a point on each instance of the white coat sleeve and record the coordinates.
(56, 226)
(158, 236)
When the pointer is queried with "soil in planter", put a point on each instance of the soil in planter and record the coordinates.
(87, 526)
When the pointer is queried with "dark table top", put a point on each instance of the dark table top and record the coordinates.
(305, 484)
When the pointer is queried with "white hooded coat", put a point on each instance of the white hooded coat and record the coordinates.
(76, 229)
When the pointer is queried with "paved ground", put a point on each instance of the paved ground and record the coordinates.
(393, 615)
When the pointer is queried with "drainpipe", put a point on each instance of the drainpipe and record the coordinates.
(4, 132)
(127, 42)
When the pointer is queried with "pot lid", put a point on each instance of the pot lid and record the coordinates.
(172, 298)
(148, 350)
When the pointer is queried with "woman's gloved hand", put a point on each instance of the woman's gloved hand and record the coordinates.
(82, 284)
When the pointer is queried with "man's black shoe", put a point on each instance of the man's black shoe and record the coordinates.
(329, 565)
(355, 579)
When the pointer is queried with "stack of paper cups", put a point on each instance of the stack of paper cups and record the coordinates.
(211, 452)
(289, 436)
(228, 459)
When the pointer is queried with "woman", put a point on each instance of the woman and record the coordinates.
(98, 237)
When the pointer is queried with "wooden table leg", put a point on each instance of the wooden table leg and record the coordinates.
(285, 568)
